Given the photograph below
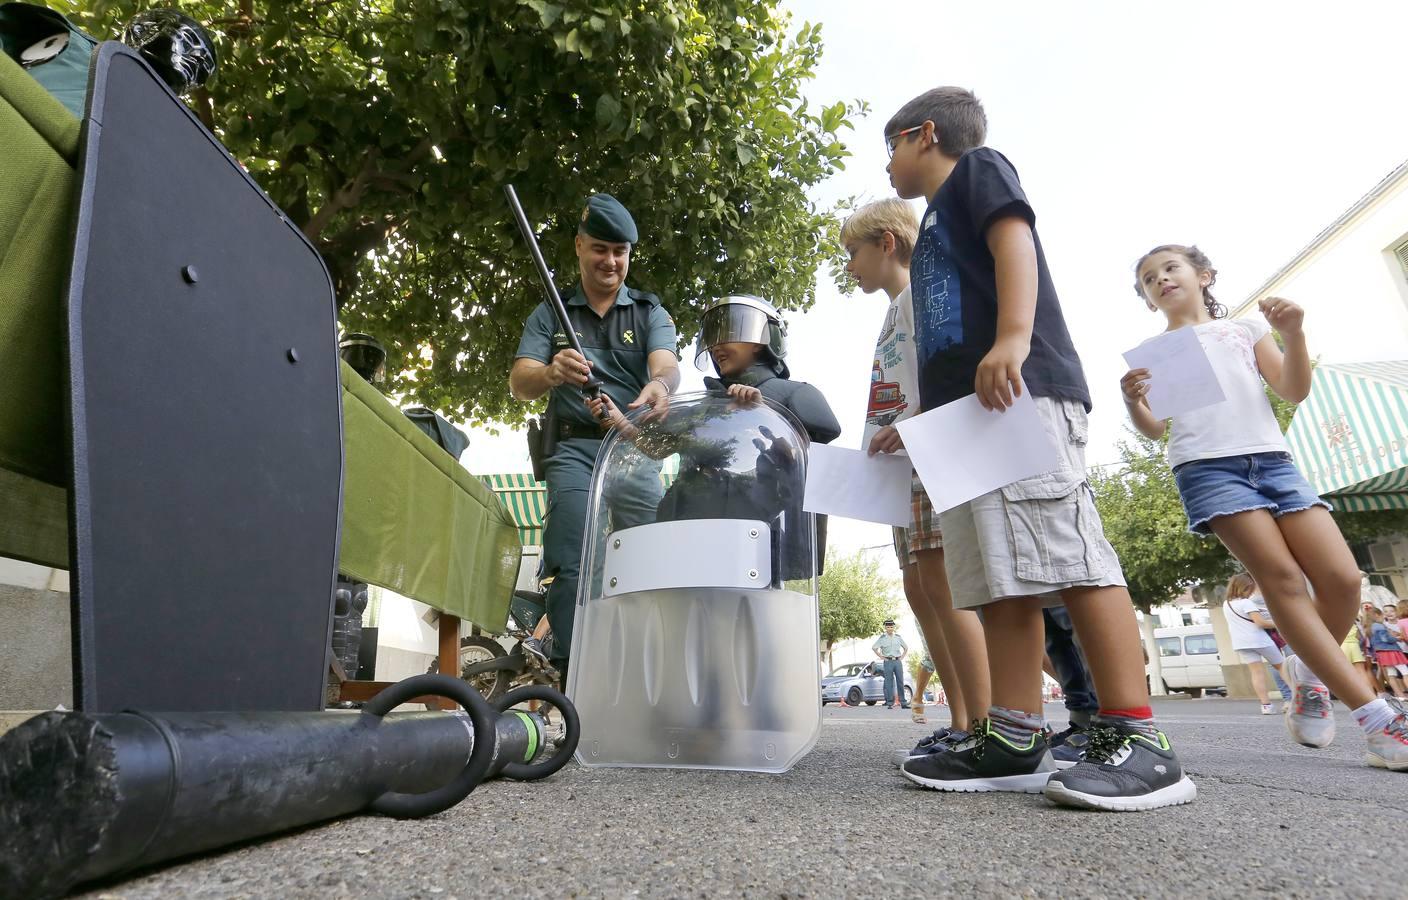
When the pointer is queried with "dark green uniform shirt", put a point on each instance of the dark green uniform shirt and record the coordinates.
(617, 344)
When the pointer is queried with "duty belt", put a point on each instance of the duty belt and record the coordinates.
(566, 430)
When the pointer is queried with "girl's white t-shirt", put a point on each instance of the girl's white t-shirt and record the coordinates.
(894, 374)
(1243, 423)
(1245, 634)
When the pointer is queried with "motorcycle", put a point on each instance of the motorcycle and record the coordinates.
(491, 669)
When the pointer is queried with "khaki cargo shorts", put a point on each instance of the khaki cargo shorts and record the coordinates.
(1035, 537)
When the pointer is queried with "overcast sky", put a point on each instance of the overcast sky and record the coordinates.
(1244, 127)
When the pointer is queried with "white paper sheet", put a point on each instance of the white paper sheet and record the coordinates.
(1181, 378)
(962, 451)
(844, 482)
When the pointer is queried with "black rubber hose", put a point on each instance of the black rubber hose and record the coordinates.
(481, 714)
(573, 725)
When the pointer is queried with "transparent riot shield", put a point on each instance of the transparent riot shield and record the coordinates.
(695, 642)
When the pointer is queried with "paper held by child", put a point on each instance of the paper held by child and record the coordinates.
(1181, 378)
(963, 451)
(850, 483)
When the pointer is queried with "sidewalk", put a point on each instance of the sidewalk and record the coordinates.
(1271, 817)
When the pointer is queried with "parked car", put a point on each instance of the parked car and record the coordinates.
(859, 683)
(1189, 659)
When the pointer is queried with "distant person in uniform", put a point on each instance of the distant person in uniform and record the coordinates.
(891, 648)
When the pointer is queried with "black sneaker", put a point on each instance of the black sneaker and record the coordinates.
(534, 648)
(937, 742)
(1068, 747)
(1123, 770)
(986, 761)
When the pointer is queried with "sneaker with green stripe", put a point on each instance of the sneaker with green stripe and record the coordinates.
(985, 761)
(1124, 770)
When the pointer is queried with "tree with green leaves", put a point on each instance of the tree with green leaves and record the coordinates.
(386, 129)
(855, 599)
(1144, 522)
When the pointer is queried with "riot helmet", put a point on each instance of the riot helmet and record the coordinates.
(365, 355)
(743, 318)
(175, 45)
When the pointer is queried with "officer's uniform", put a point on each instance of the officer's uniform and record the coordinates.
(618, 345)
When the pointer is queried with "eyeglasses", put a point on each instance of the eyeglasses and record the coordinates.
(894, 139)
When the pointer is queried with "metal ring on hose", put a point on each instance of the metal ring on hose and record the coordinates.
(534, 771)
(481, 714)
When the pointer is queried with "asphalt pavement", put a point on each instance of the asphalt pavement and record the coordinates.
(1271, 818)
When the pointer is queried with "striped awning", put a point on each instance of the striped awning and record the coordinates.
(526, 499)
(1350, 436)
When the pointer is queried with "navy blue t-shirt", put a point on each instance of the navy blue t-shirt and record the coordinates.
(953, 280)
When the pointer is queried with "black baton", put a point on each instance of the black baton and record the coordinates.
(592, 389)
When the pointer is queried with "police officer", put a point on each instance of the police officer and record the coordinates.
(630, 346)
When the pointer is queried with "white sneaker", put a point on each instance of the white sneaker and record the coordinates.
(1267, 709)
(1388, 749)
(1310, 715)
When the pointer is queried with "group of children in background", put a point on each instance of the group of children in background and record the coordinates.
(1025, 573)
(1375, 644)
(1382, 652)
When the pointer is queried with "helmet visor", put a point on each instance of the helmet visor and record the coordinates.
(733, 323)
(366, 360)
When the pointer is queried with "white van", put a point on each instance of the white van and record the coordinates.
(1189, 659)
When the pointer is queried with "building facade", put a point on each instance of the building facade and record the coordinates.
(1351, 435)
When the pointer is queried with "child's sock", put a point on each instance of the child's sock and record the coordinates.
(1374, 716)
(1303, 673)
(1014, 724)
(1140, 719)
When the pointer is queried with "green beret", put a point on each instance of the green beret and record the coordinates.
(605, 219)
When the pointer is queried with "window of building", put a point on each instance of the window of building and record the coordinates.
(1400, 253)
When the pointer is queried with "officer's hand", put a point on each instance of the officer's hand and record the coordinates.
(886, 440)
(569, 367)
(657, 397)
(744, 395)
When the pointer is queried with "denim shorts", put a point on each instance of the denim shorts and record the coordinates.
(1234, 484)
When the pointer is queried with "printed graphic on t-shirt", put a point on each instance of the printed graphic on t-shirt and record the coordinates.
(954, 279)
(1237, 337)
(887, 399)
(894, 371)
(938, 295)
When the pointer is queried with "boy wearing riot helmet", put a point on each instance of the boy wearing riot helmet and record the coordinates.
(746, 339)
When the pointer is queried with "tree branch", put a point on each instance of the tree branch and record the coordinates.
(204, 107)
(345, 197)
(350, 194)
